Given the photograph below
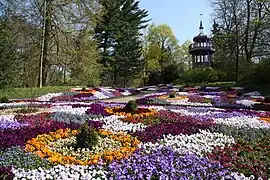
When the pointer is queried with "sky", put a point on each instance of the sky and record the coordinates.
(183, 16)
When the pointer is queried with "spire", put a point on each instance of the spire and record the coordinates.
(201, 26)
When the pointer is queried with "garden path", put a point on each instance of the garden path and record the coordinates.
(125, 99)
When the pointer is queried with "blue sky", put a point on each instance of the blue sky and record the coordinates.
(183, 16)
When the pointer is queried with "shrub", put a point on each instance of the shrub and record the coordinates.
(87, 137)
(4, 99)
(201, 75)
(172, 95)
(131, 107)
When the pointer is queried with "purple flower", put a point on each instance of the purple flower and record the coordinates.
(164, 163)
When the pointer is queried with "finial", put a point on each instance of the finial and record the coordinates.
(201, 26)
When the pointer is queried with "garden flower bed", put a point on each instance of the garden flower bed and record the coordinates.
(207, 97)
(181, 137)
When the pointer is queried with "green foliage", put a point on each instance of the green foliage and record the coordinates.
(201, 75)
(118, 36)
(165, 59)
(85, 69)
(258, 74)
(27, 110)
(131, 107)
(87, 137)
(71, 118)
(171, 72)
(17, 157)
(4, 99)
(162, 35)
(8, 58)
(245, 134)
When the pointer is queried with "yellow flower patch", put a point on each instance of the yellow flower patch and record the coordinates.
(267, 119)
(39, 146)
(166, 97)
(141, 113)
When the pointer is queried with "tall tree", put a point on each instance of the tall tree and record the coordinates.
(241, 39)
(8, 56)
(118, 34)
(128, 43)
(162, 54)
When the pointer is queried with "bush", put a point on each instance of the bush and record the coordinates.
(131, 107)
(203, 75)
(172, 95)
(87, 137)
(4, 99)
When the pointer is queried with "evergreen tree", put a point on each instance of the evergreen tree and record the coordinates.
(118, 35)
(105, 35)
(129, 44)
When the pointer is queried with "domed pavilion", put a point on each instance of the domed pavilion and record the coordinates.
(201, 50)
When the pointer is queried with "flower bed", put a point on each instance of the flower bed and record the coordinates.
(180, 137)
(44, 147)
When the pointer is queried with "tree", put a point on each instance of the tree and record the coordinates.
(128, 43)
(85, 69)
(118, 34)
(240, 34)
(164, 57)
(8, 56)
(64, 22)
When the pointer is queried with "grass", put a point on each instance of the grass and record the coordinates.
(21, 93)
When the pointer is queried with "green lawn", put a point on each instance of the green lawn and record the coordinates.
(31, 92)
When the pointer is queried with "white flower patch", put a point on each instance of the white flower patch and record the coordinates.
(112, 123)
(8, 105)
(240, 176)
(243, 122)
(65, 147)
(211, 96)
(246, 102)
(7, 118)
(63, 103)
(49, 96)
(183, 93)
(212, 88)
(152, 89)
(21, 104)
(126, 93)
(100, 95)
(69, 109)
(196, 143)
(185, 102)
(158, 108)
(60, 172)
(154, 94)
(237, 88)
(194, 113)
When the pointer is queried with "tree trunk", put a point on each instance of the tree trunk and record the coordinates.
(44, 62)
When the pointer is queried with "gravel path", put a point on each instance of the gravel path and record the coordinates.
(125, 99)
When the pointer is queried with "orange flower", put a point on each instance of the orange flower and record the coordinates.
(40, 154)
(267, 119)
(39, 145)
(109, 158)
